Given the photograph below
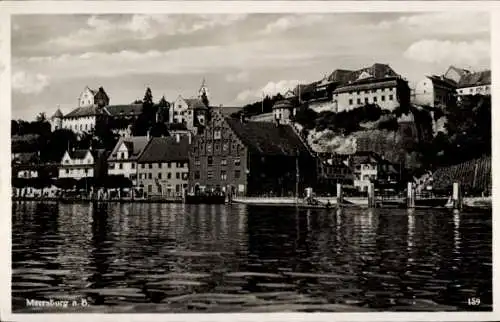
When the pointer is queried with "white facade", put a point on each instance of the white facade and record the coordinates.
(123, 165)
(180, 112)
(56, 123)
(80, 124)
(86, 98)
(386, 98)
(283, 115)
(77, 168)
(431, 93)
(27, 173)
(363, 174)
(475, 90)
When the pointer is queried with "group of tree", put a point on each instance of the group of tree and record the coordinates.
(467, 134)
(263, 106)
(152, 118)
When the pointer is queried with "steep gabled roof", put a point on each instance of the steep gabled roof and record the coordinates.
(135, 145)
(195, 103)
(475, 79)
(78, 154)
(442, 81)
(165, 149)
(267, 138)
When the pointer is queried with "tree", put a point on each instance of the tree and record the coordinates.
(159, 129)
(163, 110)
(147, 117)
(42, 117)
(14, 127)
(57, 143)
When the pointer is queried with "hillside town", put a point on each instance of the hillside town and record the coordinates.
(353, 127)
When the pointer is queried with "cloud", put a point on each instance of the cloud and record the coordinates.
(449, 22)
(27, 83)
(239, 77)
(290, 22)
(271, 89)
(193, 60)
(450, 52)
(106, 28)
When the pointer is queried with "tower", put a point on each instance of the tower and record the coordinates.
(203, 91)
(56, 120)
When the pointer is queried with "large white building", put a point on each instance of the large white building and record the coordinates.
(123, 158)
(388, 93)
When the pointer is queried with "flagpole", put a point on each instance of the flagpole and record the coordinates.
(262, 102)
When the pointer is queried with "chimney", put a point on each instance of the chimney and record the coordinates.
(177, 137)
(148, 135)
(189, 137)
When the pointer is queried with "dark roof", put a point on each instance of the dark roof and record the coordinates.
(87, 111)
(99, 153)
(195, 103)
(443, 81)
(165, 149)
(125, 109)
(78, 154)
(135, 145)
(475, 79)
(340, 76)
(58, 113)
(282, 104)
(267, 138)
(365, 84)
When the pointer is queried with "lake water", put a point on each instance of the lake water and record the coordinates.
(235, 258)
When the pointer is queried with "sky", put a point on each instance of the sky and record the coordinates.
(54, 57)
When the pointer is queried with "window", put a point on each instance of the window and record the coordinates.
(225, 147)
(159, 175)
(223, 162)
(350, 101)
(461, 91)
(120, 166)
(111, 165)
(359, 100)
(169, 165)
(150, 175)
(366, 100)
(122, 155)
(143, 166)
(197, 175)
(67, 171)
(223, 175)
(150, 188)
(358, 92)
(382, 98)
(210, 161)
(133, 165)
(217, 147)
(237, 162)
(374, 99)
(177, 175)
(150, 165)
(391, 97)
(169, 175)
(197, 162)
(217, 135)
(210, 174)
(159, 165)
(209, 148)
(237, 174)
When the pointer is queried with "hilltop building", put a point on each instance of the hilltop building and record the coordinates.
(163, 166)
(344, 90)
(249, 158)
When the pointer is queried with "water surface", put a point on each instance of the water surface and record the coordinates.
(218, 258)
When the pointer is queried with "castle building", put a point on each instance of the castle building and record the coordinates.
(434, 91)
(56, 120)
(191, 111)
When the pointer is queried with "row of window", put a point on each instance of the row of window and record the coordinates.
(222, 175)
(178, 175)
(217, 147)
(374, 99)
(159, 165)
(189, 112)
(78, 161)
(68, 171)
(378, 90)
(81, 127)
(471, 90)
(223, 162)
